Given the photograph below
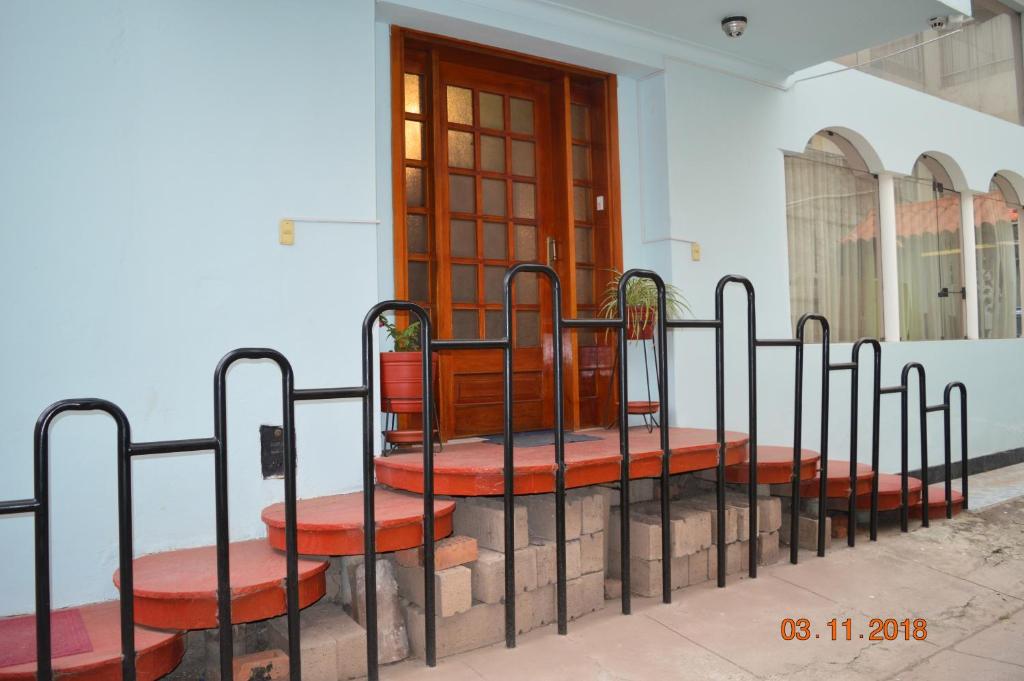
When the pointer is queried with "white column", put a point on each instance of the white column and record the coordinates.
(970, 267)
(890, 272)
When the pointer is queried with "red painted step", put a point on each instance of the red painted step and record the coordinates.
(775, 466)
(411, 436)
(641, 408)
(475, 468)
(838, 483)
(890, 493)
(178, 589)
(937, 501)
(158, 652)
(333, 525)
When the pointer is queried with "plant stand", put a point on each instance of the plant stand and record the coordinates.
(647, 409)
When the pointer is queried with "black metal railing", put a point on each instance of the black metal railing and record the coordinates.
(39, 504)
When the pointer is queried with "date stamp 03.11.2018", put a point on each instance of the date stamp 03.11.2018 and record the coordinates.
(878, 629)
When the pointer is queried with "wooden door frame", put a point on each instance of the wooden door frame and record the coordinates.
(567, 81)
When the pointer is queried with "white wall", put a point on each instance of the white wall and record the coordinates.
(149, 150)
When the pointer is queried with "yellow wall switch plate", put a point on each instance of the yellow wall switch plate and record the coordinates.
(286, 232)
(695, 251)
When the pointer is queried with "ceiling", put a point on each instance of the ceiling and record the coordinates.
(783, 35)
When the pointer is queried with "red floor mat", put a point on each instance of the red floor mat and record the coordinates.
(18, 637)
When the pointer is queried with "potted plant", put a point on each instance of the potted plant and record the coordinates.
(641, 304)
(401, 370)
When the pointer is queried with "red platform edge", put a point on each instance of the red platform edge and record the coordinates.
(333, 525)
(838, 483)
(937, 501)
(890, 493)
(178, 589)
(775, 466)
(157, 652)
(476, 468)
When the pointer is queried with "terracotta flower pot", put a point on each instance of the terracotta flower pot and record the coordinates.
(401, 381)
(638, 328)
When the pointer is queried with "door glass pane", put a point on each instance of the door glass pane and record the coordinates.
(495, 322)
(492, 153)
(494, 284)
(414, 187)
(526, 243)
(581, 204)
(580, 162)
(416, 233)
(460, 105)
(580, 122)
(464, 283)
(584, 245)
(928, 260)
(997, 249)
(527, 328)
(491, 113)
(419, 281)
(524, 200)
(465, 324)
(412, 93)
(414, 140)
(460, 149)
(526, 289)
(521, 114)
(523, 158)
(463, 238)
(493, 196)
(462, 194)
(495, 241)
(585, 286)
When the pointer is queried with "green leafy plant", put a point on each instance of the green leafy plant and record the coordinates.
(642, 297)
(405, 340)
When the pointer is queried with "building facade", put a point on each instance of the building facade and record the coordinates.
(151, 152)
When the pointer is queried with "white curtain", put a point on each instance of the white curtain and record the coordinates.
(832, 219)
(995, 228)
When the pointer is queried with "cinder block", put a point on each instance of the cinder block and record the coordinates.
(333, 645)
(545, 556)
(392, 638)
(586, 595)
(612, 588)
(481, 625)
(769, 512)
(336, 580)
(708, 503)
(808, 528)
(698, 567)
(592, 510)
(268, 665)
(448, 552)
(689, 527)
(488, 573)
(544, 605)
(644, 537)
(483, 519)
(639, 491)
(592, 552)
(573, 559)
(645, 575)
(541, 510)
(453, 588)
(768, 548)
(737, 557)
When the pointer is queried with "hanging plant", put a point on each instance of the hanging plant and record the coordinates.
(641, 304)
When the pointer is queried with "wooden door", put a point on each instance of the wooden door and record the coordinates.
(496, 157)
(493, 208)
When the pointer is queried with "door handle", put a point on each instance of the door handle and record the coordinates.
(944, 292)
(552, 247)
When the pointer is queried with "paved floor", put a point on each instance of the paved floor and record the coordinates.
(965, 577)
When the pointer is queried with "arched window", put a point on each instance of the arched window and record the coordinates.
(928, 242)
(997, 249)
(832, 219)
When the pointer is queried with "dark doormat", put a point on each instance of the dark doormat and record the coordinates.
(537, 438)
